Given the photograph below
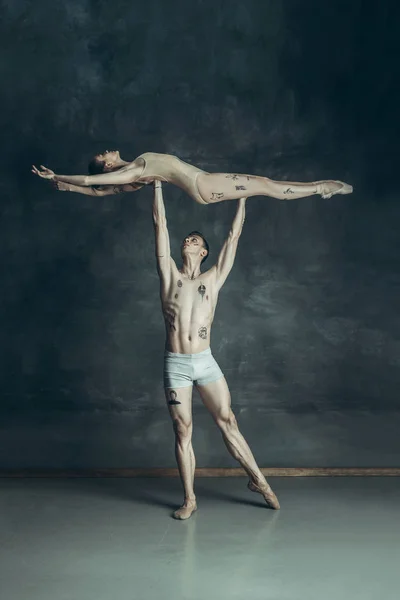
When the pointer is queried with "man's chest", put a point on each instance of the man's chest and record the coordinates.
(198, 293)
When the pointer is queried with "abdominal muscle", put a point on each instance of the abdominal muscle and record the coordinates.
(187, 331)
(186, 340)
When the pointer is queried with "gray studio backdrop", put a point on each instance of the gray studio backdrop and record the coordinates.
(307, 326)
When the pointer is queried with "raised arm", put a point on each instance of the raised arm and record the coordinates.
(164, 260)
(227, 255)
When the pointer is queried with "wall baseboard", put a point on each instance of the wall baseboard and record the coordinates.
(202, 472)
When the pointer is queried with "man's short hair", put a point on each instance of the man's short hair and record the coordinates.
(205, 243)
(96, 166)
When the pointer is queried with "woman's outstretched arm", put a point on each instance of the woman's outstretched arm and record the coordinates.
(122, 176)
(104, 190)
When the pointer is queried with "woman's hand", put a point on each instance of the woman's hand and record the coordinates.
(45, 173)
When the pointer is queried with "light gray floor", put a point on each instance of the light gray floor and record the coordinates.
(114, 539)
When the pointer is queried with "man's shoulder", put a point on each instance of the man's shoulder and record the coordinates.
(210, 272)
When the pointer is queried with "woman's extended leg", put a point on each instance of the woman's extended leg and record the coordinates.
(217, 187)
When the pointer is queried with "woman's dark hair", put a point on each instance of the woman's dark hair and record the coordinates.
(205, 243)
(96, 166)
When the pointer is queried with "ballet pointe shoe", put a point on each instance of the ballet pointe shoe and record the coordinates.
(329, 188)
(185, 511)
(268, 494)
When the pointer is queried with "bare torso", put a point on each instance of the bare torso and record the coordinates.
(188, 307)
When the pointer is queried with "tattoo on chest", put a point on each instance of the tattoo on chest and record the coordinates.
(202, 290)
(173, 398)
(216, 196)
(179, 283)
(176, 295)
(203, 333)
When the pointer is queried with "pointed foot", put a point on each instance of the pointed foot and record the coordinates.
(267, 493)
(327, 189)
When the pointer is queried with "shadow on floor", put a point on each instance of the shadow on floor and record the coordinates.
(153, 491)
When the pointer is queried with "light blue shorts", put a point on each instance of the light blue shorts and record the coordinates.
(182, 370)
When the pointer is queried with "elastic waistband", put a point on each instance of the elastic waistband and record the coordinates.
(179, 355)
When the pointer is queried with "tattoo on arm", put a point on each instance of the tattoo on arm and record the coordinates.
(240, 187)
(232, 176)
(105, 190)
(216, 196)
(288, 191)
(173, 398)
(203, 333)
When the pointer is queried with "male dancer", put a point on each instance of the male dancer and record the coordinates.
(189, 299)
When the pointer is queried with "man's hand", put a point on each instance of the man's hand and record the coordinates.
(45, 173)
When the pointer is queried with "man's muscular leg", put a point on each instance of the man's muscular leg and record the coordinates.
(179, 401)
(217, 399)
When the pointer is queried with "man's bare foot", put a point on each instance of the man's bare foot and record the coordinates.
(186, 510)
(268, 494)
(329, 188)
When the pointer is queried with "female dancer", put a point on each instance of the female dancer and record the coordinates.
(115, 175)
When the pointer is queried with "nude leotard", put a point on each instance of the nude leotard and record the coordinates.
(173, 170)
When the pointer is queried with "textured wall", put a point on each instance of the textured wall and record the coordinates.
(307, 328)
